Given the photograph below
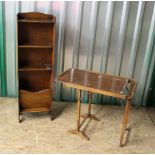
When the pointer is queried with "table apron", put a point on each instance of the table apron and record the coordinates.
(92, 90)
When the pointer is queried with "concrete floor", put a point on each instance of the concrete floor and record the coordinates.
(37, 134)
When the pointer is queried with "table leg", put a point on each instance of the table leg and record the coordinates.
(125, 120)
(77, 130)
(78, 109)
(89, 105)
(89, 115)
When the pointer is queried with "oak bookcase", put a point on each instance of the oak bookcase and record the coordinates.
(36, 40)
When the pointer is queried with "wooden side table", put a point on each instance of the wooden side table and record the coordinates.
(119, 87)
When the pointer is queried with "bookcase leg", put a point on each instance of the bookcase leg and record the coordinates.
(19, 118)
(51, 116)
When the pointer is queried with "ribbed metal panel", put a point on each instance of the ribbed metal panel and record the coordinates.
(2, 54)
(110, 37)
(135, 39)
(147, 59)
(121, 37)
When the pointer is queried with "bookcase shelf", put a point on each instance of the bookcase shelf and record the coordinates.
(46, 67)
(35, 46)
(36, 39)
(35, 21)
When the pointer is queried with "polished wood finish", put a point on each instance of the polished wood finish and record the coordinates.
(29, 99)
(97, 83)
(79, 108)
(35, 80)
(36, 41)
(115, 86)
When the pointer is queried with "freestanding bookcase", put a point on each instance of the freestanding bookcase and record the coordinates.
(36, 39)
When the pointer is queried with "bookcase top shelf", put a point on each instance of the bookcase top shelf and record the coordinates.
(36, 17)
(36, 21)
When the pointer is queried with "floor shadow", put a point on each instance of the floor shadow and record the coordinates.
(59, 109)
(56, 111)
(151, 114)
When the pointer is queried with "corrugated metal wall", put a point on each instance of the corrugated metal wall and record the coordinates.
(110, 37)
(2, 55)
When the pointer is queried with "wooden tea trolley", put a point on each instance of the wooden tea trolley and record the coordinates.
(119, 87)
